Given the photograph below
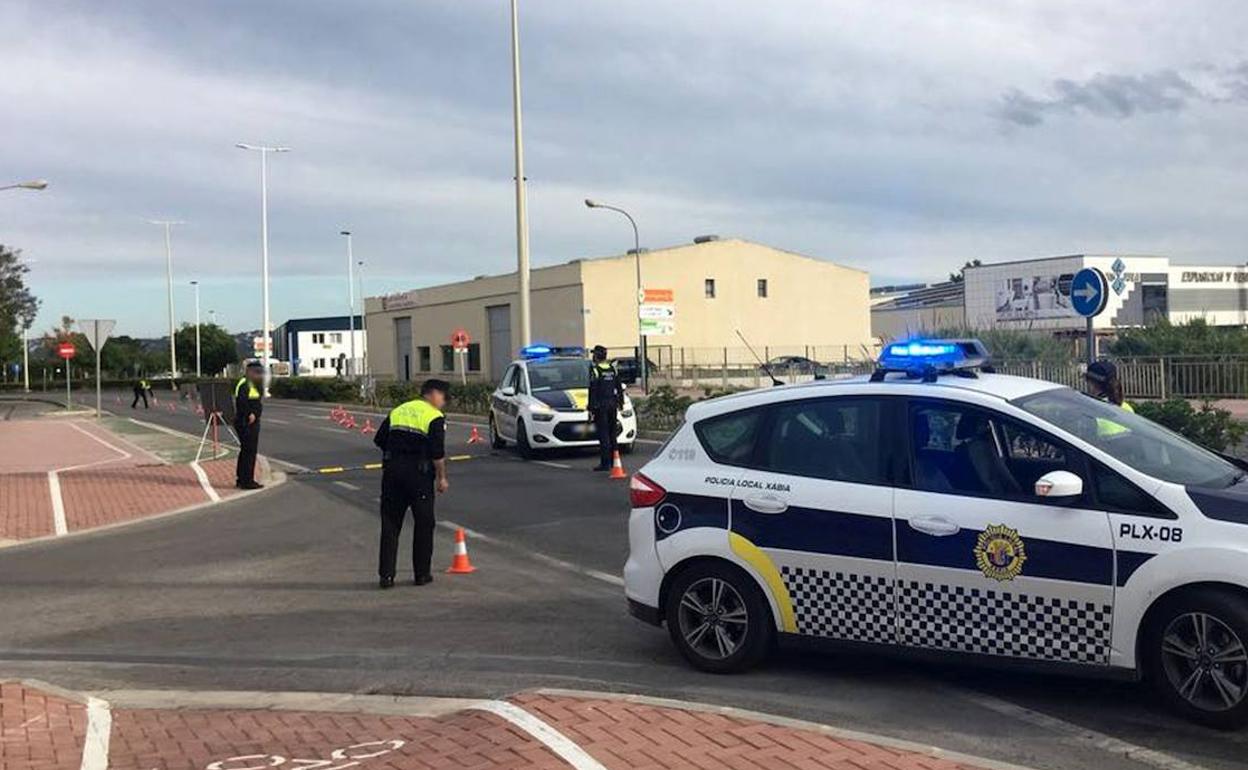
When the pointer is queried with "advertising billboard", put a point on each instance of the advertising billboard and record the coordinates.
(1034, 297)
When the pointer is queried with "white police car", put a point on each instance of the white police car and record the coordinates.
(941, 508)
(541, 402)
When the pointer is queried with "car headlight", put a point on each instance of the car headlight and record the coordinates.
(543, 416)
(626, 413)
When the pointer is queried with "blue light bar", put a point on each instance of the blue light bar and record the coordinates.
(536, 351)
(920, 356)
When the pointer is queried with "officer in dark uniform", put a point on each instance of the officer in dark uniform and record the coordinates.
(413, 443)
(606, 399)
(141, 389)
(247, 408)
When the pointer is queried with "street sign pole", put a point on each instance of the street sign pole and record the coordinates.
(69, 398)
(1089, 292)
(1091, 343)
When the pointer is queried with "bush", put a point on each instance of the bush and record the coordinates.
(1209, 426)
(1193, 338)
(313, 388)
(473, 398)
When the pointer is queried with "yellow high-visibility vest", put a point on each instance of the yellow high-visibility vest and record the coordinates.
(253, 393)
(414, 416)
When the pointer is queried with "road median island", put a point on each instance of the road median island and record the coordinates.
(58, 477)
(538, 729)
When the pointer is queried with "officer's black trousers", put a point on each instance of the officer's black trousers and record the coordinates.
(139, 393)
(605, 426)
(249, 442)
(406, 485)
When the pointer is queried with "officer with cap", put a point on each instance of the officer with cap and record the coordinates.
(606, 399)
(1103, 384)
(247, 408)
(412, 439)
(141, 389)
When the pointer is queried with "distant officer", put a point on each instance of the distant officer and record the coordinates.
(1104, 385)
(247, 408)
(412, 439)
(606, 398)
(141, 388)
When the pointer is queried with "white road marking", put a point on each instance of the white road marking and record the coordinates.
(347, 485)
(550, 464)
(317, 416)
(99, 729)
(556, 741)
(1080, 735)
(205, 484)
(58, 504)
(275, 420)
(614, 580)
(331, 430)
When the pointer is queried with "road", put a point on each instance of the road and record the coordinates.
(278, 593)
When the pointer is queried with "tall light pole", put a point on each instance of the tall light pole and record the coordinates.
(33, 184)
(644, 363)
(26, 323)
(264, 151)
(522, 214)
(198, 371)
(350, 300)
(173, 347)
(363, 315)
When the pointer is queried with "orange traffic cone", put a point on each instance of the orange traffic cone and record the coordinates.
(460, 564)
(617, 467)
(475, 436)
(349, 422)
(368, 426)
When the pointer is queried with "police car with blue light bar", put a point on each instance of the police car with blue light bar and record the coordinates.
(938, 508)
(541, 401)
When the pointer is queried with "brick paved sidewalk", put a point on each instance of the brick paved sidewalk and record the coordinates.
(46, 731)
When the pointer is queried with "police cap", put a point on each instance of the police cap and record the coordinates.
(255, 365)
(599, 350)
(431, 385)
(1101, 372)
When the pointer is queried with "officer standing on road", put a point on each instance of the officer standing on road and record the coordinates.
(413, 443)
(247, 408)
(606, 399)
(141, 387)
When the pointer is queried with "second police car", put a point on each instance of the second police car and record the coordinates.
(541, 403)
(942, 508)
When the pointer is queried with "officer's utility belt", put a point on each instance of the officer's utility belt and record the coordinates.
(409, 461)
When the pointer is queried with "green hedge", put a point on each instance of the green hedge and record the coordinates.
(473, 398)
(1208, 426)
(314, 389)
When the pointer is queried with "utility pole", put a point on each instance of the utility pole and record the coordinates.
(522, 215)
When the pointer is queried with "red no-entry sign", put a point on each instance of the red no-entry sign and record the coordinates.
(65, 350)
(460, 339)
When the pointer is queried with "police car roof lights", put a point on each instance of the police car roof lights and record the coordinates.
(931, 358)
(539, 351)
(536, 351)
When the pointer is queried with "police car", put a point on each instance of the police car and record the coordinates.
(541, 404)
(940, 508)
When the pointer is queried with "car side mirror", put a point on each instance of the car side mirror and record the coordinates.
(508, 391)
(1059, 485)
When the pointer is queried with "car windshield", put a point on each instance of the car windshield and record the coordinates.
(1136, 441)
(558, 375)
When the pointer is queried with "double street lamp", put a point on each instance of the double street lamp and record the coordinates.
(33, 184)
(644, 362)
(173, 347)
(266, 351)
(198, 371)
(350, 301)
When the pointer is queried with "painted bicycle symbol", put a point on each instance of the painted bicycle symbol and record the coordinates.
(339, 759)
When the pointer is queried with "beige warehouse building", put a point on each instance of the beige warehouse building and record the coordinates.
(701, 294)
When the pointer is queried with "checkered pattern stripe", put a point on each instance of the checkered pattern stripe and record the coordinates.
(1003, 623)
(842, 605)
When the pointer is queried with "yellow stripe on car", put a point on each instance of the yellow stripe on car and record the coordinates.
(580, 397)
(763, 565)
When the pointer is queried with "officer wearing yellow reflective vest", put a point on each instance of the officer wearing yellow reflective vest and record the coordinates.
(141, 389)
(412, 439)
(247, 408)
(1103, 384)
(606, 399)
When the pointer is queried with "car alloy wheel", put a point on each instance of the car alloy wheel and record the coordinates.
(496, 440)
(714, 620)
(1205, 661)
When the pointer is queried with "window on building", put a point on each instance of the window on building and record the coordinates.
(474, 357)
(424, 355)
(448, 358)
(318, 363)
(710, 288)
(336, 337)
(318, 338)
(762, 288)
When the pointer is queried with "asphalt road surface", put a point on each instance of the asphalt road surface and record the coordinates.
(277, 592)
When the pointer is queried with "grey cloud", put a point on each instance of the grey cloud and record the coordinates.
(1103, 96)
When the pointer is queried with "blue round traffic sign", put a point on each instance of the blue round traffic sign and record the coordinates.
(1089, 291)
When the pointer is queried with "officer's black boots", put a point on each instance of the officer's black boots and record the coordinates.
(386, 582)
(422, 580)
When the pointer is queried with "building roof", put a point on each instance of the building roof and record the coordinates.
(944, 294)
(333, 323)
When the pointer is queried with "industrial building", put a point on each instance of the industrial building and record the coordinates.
(698, 297)
(898, 312)
(321, 347)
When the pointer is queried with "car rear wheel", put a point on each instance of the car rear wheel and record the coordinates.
(522, 441)
(496, 440)
(1197, 657)
(718, 618)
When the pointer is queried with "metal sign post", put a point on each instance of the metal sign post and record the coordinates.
(66, 351)
(459, 343)
(1089, 291)
(97, 332)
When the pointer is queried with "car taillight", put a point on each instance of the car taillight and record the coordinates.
(644, 493)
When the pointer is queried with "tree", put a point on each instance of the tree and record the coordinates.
(122, 357)
(17, 305)
(960, 276)
(217, 348)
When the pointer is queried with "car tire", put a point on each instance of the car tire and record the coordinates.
(732, 635)
(496, 440)
(1205, 682)
(522, 441)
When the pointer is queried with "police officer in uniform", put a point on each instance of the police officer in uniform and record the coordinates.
(606, 399)
(247, 408)
(412, 439)
(141, 389)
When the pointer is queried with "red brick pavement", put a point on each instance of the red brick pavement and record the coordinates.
(39, 731)
(25, 506)
(42, 732)
(94, 498)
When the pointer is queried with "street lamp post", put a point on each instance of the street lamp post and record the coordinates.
(173, 347)
(363, 314)
(198, 370)
(350, 300)
(33, 184)
(264, 151)
(26, 322)
(644, 363)
(522, 216)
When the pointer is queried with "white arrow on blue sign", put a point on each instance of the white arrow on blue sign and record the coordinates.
(1089, 292)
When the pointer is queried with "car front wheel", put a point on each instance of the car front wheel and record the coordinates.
(718, 618)
(522, 441)
(1197, 657)
(496, 440)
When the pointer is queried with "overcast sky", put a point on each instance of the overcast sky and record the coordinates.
(898, 137)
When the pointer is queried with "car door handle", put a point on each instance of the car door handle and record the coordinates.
(937, 526)
(765, 504)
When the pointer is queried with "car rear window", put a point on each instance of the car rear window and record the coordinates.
(729, 438)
